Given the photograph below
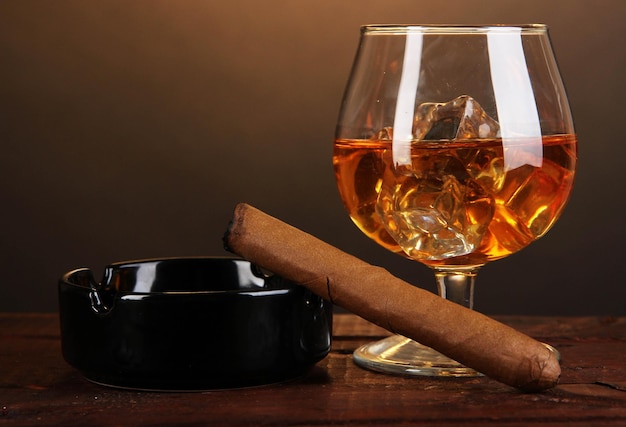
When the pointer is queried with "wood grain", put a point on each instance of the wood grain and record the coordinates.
(37, 387)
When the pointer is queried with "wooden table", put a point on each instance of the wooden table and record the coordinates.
(37, 387)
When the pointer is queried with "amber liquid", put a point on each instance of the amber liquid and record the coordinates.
(491, 199)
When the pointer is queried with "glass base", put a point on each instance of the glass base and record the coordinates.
(399, 355)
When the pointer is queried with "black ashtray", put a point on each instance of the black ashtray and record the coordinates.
(190, 324)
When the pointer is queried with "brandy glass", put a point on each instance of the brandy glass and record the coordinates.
(454, 147)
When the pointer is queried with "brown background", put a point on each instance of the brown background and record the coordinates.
(130, 129)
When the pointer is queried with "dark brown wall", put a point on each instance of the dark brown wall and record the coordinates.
(130, 129)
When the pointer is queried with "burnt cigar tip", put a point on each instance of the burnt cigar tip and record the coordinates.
(236, 219)
(229, 229)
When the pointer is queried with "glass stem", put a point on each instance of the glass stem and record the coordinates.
(457, 285)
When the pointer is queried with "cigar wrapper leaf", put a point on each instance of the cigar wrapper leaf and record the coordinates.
(371, 292)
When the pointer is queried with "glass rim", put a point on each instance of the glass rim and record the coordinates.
(452, 28)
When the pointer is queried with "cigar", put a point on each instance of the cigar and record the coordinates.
(473, 339)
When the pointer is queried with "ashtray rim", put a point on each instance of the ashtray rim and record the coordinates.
(261, 274)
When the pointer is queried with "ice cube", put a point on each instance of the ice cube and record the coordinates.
(461, 118)
(437, 212)
(437, 203)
